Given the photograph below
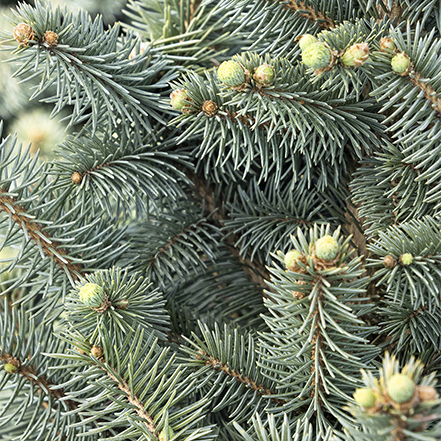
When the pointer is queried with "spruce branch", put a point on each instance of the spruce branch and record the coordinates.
(309, 322)
(39, 380)
(221, 355)
(91, 68)
(299, 119)
(43, 240)
(148, 391)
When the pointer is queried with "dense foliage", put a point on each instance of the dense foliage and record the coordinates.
(238, 235)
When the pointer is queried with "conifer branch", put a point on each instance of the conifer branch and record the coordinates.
(134, 400)
(40, 381)
(217, 365)
(35, 231)
(430, 94)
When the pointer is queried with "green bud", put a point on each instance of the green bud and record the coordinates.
(406, 259)
(10, 368)
(306, 40)
(400, 388)
(264, 74)
(178, 98)
(169, 432)
(365, 397)
(387, 45)
(291, 258)
(356, 55)
(91, 295)
(231, 73)
(326, 248)
(317, 56)
(400, 63)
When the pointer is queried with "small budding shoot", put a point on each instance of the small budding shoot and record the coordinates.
(356, 55)
(97, 351)
(365, 397)
(317, 56)
(23, 33)
(210, 108)
(387, 45)
(92, 295)
(400, 388)
(291, 259)
(50, 38)
(401, 63)
(306, 40)
(389, 261)
(77, 178)
(326, 248)
(231, 73)
(178, 98)
(264, 74)
(406, 259)
(10, 368)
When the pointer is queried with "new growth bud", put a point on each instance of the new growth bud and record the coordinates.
(231, 73)
(23, 33)
(400, 388)
(356, 55)
(400, 63)
(317, 56)
(291, 259)
(406, 259)
(306, 40)
(178, 98)
(264, 74)
(387, 45)
(326, 248)
(365, 397)
(92, 295)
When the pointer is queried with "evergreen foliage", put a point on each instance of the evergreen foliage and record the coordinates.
(243, 213)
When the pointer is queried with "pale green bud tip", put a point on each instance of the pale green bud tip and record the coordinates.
(364, 397)
(170, 433)
(291, 259)
(178, 98)
(387, 45)
(356, 55)
(10, 368)
(326, 248)
(400, 388)
(400, 63)
(92, 295)
(231, 73)
(406, 259)
(264, 74)
(317, 56)
(306, 40)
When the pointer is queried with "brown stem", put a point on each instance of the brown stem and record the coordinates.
(219, 366)
(429, 93)
(40, 381)
(310, 13)
(35, 231)
(134, 400)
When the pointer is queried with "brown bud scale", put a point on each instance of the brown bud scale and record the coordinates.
(77, 178)
(23, 33)
(50, 38)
